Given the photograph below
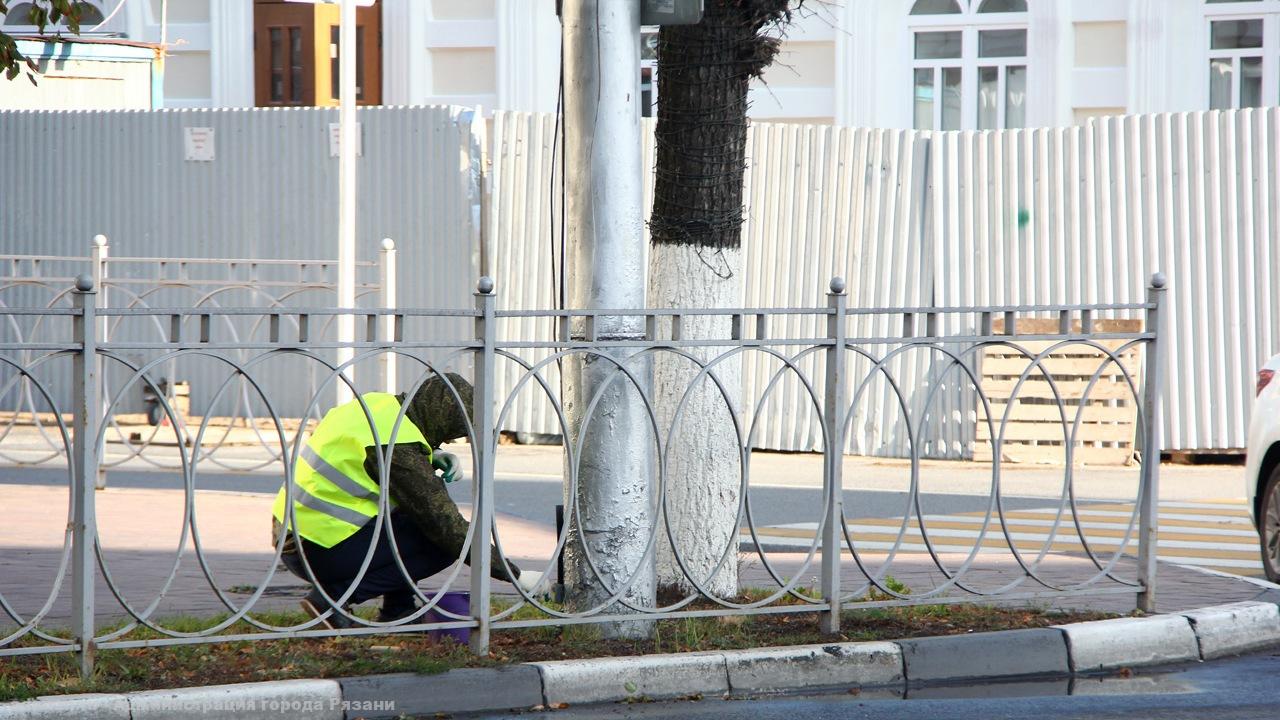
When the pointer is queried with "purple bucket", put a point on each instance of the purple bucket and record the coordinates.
(458, 603)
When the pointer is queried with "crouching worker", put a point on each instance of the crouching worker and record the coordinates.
(335, 502)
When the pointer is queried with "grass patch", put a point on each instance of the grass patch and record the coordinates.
(248, 661)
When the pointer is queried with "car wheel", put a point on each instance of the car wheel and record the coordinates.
(1269, 526)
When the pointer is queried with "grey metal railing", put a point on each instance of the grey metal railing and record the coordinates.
(851, 573)
(195, 283)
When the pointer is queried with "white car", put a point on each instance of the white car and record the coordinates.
(1262, 467)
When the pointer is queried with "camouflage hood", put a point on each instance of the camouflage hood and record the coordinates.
(438, 412)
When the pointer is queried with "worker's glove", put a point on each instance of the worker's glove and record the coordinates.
(528, 580)
(448, 465)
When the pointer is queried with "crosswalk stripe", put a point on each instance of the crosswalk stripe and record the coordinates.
(1208, 504)
(1030, 529)
(995, 539)
(1126, 514)
(1237, 530)
(1215, 535)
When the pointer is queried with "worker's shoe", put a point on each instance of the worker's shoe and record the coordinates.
(396, 612)
(315, 605)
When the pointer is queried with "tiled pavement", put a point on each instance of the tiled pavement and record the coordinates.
(141, 530)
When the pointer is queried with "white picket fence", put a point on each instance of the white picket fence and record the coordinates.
(1064, 215)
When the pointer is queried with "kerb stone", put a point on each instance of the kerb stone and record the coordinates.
(1010, 653)
(297, 699)
(68, 707)
(1235, 628)
(851, 665)
(644, 676)
(455, 691)
(1130, 642)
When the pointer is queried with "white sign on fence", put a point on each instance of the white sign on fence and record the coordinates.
(335, 139)
(197, 144)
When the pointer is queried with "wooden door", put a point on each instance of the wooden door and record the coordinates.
(284, 49)
(296, 51)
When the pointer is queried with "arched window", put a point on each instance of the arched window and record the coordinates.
(969, 64)
(936, 7)
(1002, 6)
(19, 16)
(1244, 53)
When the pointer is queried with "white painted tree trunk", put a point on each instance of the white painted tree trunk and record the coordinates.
(704, 473)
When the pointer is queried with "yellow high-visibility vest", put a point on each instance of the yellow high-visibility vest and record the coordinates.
(333, 496)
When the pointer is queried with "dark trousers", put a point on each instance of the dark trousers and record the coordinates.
(337, 566)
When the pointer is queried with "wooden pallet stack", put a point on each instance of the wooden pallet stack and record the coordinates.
(1033, 431)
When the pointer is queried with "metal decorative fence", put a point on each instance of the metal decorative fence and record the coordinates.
(849, 571)
(136, 429)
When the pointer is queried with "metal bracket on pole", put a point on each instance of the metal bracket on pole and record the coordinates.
(84, 469)
(833, 477)
(670, 12)
(1149, 493)
(485, 439)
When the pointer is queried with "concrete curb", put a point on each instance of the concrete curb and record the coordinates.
(1059, 652)
(845, 665)
(1130, 642)
(462, 690)
(303, 699)
(575, 682)
(1236, 628)
(1006, 654)
(68, 707)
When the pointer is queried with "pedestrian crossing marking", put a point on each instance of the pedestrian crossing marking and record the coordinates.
(1214, 534)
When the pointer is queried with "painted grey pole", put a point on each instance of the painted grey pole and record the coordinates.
(84, 468)
(387, 292)
(611, 516)
(485, 437)
(347, 146)
(1149, 509)
(99, 252)
(833, 478)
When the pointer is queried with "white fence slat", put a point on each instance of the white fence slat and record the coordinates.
(1107, 203)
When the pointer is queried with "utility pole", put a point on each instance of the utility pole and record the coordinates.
(612, 512)
(346, 189)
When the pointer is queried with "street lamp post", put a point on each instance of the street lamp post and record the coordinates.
(612, 511)
(346, 189)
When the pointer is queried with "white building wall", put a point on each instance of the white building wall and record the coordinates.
(800, 85)
(848, 63)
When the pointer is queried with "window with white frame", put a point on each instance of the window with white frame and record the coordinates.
(18, 19)
(969, 64)
(649, 71)
(1244, 49)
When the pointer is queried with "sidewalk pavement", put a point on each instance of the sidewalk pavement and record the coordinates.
(141, 530)
(775, 469)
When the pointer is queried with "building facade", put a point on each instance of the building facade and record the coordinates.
(944, 64)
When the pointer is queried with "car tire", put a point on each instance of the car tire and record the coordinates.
(1269, 526)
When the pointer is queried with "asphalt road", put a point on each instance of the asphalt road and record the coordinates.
(1246, 688)
(535, 499)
